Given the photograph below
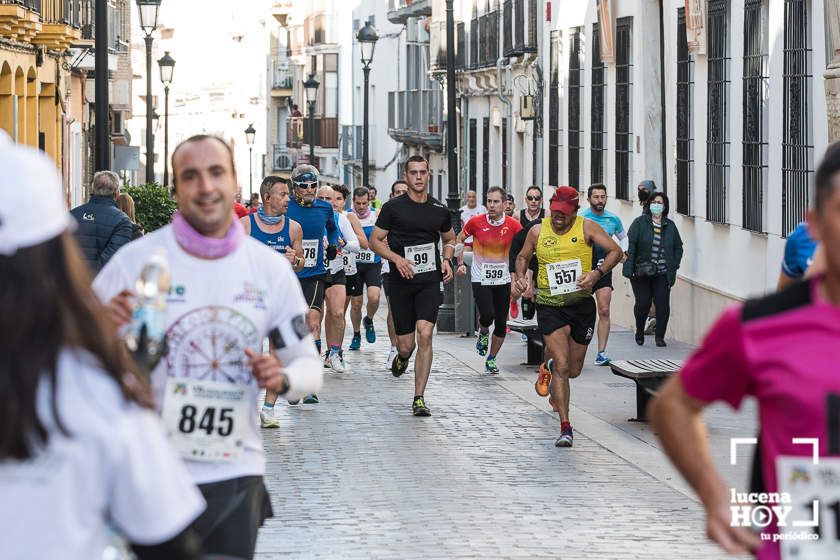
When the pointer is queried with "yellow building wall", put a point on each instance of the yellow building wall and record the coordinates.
(28, 104)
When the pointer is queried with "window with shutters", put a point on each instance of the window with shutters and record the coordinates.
(685, 103)
(575, 147)
(755, 129)
(717, 132)
(554, 110)
(598, 147)
(623, 103)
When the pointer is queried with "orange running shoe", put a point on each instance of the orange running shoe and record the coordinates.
(543, 378)
(514, 309)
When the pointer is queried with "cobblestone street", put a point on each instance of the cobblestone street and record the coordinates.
(481, 478)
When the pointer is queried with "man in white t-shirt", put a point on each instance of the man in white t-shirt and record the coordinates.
(228, 293)
(472, 208)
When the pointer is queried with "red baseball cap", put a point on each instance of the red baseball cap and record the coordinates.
(565, 200)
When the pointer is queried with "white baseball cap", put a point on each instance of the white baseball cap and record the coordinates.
(32, 205)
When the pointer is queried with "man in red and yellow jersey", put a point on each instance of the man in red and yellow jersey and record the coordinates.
(492, 233)
(563, 243)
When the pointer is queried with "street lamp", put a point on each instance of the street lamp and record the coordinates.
(367, 41)
(249, 137)
(311, 88)
(167, 67)
(148, 23)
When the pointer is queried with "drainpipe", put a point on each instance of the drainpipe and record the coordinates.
(506, 100)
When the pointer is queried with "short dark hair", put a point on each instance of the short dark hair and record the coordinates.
(361, 191)
(499, 190)
(533, 188)
(398, 182)
(825, 179)
(666, 202)
(596, 187)
(268, 184)
(416, 158)
(194, 140)
(342, 190)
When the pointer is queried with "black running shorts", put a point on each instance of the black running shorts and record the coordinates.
(604, 282)
(579, 316)
(410, 303)
(335, 279)
(371, 274)
(493, 303)
(355, 285)
(236, 509)
(313, 291)
(385, 276)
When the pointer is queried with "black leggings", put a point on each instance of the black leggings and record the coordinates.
(493, 303)
(658, 290)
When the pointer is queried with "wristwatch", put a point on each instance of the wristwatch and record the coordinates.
(601, 270)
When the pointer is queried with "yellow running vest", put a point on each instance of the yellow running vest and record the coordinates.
(568, 257)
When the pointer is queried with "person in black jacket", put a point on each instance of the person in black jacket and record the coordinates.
(103, 227)
(653, 257)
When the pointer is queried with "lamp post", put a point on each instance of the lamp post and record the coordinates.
(167, 67)
(310, 86)
(102, 126)
(249, 137)
(148, 23)
(367, 38)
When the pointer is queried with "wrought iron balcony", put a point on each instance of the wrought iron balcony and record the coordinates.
(484, 40)
(416, 117)
(281, 158)
(400, 10)
(281, 77)
(352, 144)
(325, 134)
(520, 27)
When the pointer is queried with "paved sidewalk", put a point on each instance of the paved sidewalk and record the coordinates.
(358, 477)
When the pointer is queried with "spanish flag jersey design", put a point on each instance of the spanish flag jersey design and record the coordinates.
(552, 248)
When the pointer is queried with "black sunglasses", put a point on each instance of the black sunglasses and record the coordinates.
(533, 198)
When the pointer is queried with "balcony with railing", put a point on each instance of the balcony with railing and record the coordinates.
(520, 27)
(325, 133)
(281, 77)
(353, 144)
(63, 21)
(400, 10)
(484, 40)
(437, 46)
(281, 158)
(20, 20)
(416, 117)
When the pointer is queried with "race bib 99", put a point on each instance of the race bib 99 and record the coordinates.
(422, 257)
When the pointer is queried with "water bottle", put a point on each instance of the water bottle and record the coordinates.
(146, 334)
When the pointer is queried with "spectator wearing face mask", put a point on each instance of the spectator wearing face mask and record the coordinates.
(653, 257)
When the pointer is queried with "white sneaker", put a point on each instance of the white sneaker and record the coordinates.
(337, 363)
(267, 419)
(391, 355)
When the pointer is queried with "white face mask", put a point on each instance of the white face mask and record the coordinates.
(656, 208)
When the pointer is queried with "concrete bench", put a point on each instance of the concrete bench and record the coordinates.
(648, 376)
(535, 346)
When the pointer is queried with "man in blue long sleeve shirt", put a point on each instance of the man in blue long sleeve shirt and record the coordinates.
(314, 216)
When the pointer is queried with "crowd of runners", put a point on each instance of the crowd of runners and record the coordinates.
(260, 303)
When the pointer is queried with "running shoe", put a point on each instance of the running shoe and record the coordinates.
(337, 362)
(490, 367)
(356, 343)
(544, 378)
(661, 342)
(419, 408)
(370, 332)
(399, 365)
(602, 359)
(267, 420)
(327, 361)
(640, 338)
(566, 438)
(482, 343)
(311, 399)
(294, 403)
(391, 356)
(514, 308)
(650, 327)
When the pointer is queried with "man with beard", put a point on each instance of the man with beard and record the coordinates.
(597, 196)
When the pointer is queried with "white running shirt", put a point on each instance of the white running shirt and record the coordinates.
(216, 309)
(116, 468)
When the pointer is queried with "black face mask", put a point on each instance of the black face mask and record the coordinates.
(644, 195)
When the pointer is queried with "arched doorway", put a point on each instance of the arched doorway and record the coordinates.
(6, 118)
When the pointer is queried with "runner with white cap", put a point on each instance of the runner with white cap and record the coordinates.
(81, 450)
